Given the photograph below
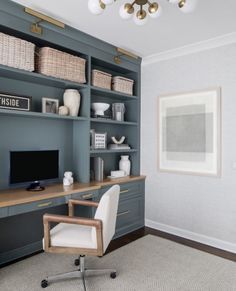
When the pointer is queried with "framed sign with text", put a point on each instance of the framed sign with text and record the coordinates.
(14, 102)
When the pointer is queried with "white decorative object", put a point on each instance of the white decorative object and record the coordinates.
(125, 165)
(71, 99)
(190, 132)
(99, 108)
(122, 139)
(68, 179)
(63, 110)
(117, 174)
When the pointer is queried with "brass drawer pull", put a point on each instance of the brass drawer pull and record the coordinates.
(124, 191)
(123, 213)
(87, 196)
(45, 204)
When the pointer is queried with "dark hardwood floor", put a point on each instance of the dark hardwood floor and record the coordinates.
(130, 237)
(119, 242)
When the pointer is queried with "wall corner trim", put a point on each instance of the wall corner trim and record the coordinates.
(191, 49)
(207, 240)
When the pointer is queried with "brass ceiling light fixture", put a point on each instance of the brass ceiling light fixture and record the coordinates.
(144, 8)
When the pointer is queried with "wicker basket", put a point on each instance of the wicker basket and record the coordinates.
(16, 53)
(123, 85)
(54, 63)
(101, 79)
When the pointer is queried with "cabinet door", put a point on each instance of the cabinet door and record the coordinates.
(130, 215)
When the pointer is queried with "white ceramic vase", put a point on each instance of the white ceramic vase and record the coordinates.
(71, 100)
(125, 165)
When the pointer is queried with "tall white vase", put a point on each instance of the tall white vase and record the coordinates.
(71, 100)
(125, 164)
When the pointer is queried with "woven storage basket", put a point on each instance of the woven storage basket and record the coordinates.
(16, 52)
(101, 79)
(123, 85)
(54, 63)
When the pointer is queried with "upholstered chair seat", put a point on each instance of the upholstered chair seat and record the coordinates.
(82, 236)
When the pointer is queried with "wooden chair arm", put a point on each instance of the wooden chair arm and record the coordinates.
(47, 218)
(72, 203)
(71, 220)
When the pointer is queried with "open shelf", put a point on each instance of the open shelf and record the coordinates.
(32, 77)
(111, 121)
(111, 94)
(40, 115)
(92, 152)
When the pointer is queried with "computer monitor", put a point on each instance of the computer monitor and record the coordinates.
(33, 166)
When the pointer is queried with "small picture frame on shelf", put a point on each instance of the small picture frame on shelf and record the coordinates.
(98, 140)
(14, 102)
(50, 105)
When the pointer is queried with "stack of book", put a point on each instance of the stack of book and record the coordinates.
(122, 146)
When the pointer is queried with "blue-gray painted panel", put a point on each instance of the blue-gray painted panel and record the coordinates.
(23, 133)
(3, 211)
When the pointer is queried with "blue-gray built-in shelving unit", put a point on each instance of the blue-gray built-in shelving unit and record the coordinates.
(35, 130)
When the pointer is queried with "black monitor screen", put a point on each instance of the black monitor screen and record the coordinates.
(29, 166)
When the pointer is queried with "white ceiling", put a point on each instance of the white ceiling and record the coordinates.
(174, 29)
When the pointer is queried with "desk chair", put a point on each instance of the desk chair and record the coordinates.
(82, 236)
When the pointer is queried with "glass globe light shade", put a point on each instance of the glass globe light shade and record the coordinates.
(187, 6)
(140, 18)
(173, 1)
(108, 2)
(95, 7)
(126, 11)
(154, 10)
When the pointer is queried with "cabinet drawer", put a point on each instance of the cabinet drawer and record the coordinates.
(89, 195)
(128, 190)
(3, 212)
(33, 206)
(130, 212)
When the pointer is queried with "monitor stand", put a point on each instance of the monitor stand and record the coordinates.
(35, 186)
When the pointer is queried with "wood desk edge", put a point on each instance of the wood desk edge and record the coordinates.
(11, 197)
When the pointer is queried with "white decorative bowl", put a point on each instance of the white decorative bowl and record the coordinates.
(99, 108)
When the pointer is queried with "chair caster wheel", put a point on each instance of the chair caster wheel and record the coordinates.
(113, 275)
(44, 283)
(77, 262)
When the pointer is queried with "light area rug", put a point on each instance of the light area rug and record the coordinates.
(147, 264)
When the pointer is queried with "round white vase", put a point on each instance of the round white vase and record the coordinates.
(125, 164)
(71, 100)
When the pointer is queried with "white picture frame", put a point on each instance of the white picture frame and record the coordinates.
(100, 140)
(50, 105)
(189, 132)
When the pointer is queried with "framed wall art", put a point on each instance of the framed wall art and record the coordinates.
(189, 132)
(50, 105)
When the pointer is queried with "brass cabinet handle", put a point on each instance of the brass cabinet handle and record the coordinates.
(87, 196)
(124, 191)
(45, 204)
(123, 213)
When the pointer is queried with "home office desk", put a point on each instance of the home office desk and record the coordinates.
(21, 211)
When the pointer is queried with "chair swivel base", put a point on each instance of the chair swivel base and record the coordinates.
(81, 273)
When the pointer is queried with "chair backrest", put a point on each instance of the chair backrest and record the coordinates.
(107, 212)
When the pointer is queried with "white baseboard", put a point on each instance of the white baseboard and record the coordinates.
(207, 240)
